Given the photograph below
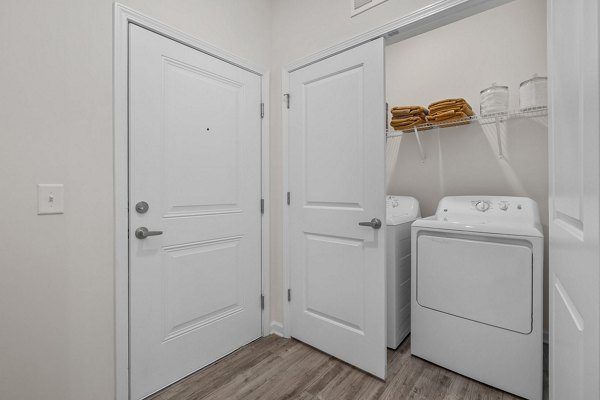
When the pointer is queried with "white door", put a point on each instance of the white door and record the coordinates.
(194, 158)
(336, 180)
(574, 200)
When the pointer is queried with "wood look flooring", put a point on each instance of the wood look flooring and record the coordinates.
(273, 368)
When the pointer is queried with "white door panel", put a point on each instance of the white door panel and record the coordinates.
(574, 201)
(337, 141)
(195, 159)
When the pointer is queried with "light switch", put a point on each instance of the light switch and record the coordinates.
(51, 198)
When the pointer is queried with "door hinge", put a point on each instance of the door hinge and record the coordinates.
(288, 198)
(262, 110)
(387, 123)
(289, 294)
(262, 206)
(262, 301)
(287, 100)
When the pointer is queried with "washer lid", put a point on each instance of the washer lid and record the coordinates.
(487, 214)
(401, 209)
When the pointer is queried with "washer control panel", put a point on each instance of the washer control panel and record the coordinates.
(400, 209)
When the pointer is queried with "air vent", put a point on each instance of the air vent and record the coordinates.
(358, 6)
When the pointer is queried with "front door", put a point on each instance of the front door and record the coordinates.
(336, 181)
(194, 210)
(574, 200)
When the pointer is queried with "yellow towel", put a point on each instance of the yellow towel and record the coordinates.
(406, 121)
(408, 110)
(407, 127)
(464, 108)
(446, 116)
(446, 102)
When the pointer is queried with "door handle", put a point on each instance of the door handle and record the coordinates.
(143, 233)
(375, 223)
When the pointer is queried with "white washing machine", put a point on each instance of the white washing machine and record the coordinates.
(400, 213)
(477, 270)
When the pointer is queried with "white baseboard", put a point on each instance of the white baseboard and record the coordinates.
(277, 328)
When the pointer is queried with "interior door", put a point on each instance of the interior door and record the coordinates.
(194, 159)
(574, 200)
(336, 181)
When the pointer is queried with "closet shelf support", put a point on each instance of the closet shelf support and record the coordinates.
(499, 137)
(421, 151)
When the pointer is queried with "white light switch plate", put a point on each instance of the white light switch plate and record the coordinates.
(51, 198)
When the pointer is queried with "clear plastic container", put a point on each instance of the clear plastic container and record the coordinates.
(493, 100)
(533, 93)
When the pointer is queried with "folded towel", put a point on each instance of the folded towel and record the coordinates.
(402, 123)
(409, 117)
(407, 127)
(445, 116)
(408, 110)
(464, 108)
(400, 114)
(447, 101)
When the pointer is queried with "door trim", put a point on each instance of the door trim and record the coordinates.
(438, 14)
(122, 17)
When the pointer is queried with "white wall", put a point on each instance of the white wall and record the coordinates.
(56, 284)
(504, 45)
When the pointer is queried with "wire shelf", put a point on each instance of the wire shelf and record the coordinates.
(482, 119)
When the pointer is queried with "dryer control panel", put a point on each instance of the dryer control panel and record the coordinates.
(488, 209)
(502, 204)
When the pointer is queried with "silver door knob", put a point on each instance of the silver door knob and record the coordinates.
(375, 223)
(143, 233)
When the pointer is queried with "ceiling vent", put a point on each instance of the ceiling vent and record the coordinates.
(358, 6)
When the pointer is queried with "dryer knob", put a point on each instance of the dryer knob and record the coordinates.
(482, 205)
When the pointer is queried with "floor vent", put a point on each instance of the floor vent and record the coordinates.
(358, 6)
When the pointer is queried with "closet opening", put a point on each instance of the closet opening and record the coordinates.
(461, 121)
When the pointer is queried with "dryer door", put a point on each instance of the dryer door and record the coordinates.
(477, 278)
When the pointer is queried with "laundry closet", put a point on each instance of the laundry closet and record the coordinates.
(506, 156)
(506, 46)
(333, 171)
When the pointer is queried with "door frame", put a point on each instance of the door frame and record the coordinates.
(428, 18)
(122, 17)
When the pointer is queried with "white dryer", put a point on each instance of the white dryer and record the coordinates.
(477, 268)
(401, 211)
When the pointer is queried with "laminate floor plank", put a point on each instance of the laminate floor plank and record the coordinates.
(220, 373)
(273, 368)
(246, 384)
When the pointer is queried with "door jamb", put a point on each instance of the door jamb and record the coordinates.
(436, 15)
(122, 17)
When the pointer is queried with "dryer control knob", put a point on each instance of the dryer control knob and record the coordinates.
(503, 206)
(482, 205)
